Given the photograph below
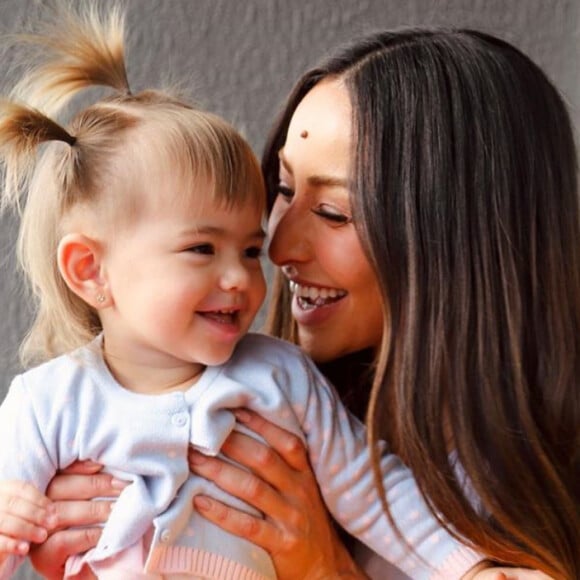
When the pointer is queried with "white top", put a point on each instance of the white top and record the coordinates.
(71, 408)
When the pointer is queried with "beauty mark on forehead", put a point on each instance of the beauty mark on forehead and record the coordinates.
(304, 134)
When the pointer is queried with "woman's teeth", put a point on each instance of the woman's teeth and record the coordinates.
(310, 296)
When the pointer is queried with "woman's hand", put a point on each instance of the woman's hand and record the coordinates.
(486, 571)
(26, 516)
(71, 491)
(296, 530)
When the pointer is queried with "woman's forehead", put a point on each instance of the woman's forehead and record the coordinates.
(326, 108)
(318, 142)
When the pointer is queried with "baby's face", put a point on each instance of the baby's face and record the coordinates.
(186, 279)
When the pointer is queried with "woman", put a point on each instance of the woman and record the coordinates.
(428, 234)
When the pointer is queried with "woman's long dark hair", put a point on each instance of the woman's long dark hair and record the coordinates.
(466, 200)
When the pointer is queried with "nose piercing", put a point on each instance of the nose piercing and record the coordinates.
(289, 271)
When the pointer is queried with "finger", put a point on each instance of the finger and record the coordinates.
(260, 458)
(82, 513)
(267, 463)
(240, 483)
(85, 486)
(22, 490)
(20, 529)
(254, 529)
(12, 546)
(19, 509)
(525, 574)
(86, 467)
(49, 558)
(288, 445)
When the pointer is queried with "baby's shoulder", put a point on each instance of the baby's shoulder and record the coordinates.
(59, 374)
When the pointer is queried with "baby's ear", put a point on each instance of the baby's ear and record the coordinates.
(80, 265)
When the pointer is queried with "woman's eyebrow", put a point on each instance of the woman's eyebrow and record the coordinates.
(315, 180)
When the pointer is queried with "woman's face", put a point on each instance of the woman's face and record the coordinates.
(336, 300)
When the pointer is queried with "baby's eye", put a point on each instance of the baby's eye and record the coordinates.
(204, 249)
(332, 214)
(253, 252)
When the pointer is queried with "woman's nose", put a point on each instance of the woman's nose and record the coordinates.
(288, 233)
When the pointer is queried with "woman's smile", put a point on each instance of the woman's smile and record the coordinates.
(336, 299)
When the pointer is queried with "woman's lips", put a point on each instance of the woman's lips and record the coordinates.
(312, 305)
(315, 296)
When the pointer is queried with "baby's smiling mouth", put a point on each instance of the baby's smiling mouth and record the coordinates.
(226, 316)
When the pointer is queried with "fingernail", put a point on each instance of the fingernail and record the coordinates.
(51, 521)
(202, 503)
(242, 416)
(95, 534)
(22, 548)
(197, 458)
(118, 483)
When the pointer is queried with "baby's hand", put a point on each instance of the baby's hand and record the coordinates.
(26, 515)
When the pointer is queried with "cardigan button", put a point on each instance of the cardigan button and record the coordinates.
(179, 419)
(165, 536)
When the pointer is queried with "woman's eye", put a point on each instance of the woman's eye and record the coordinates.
(332, 214)
(204, 249)
(254, 252)
(286, 192)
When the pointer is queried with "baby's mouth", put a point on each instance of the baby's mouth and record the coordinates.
(310, 297)
(222, 316)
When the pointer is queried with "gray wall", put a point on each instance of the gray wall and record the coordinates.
(243, 56)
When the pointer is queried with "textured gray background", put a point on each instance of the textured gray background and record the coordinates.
(241, 57)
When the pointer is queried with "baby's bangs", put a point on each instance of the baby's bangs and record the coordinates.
(207, 150)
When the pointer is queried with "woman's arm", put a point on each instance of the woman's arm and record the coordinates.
(71, 491)
(296, 529)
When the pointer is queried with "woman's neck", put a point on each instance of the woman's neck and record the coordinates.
(352, 376)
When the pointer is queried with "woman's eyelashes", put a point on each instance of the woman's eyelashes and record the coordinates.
(332, 214)
(286, 192)
(324, 210)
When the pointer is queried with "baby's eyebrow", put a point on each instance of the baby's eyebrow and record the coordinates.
(217, 231)
(260, 234)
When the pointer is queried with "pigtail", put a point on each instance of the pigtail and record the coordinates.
(22, 130)
(76, 49)
(49, 166)
(71, 50)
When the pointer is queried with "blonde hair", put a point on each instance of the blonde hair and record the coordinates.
(86, 163)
